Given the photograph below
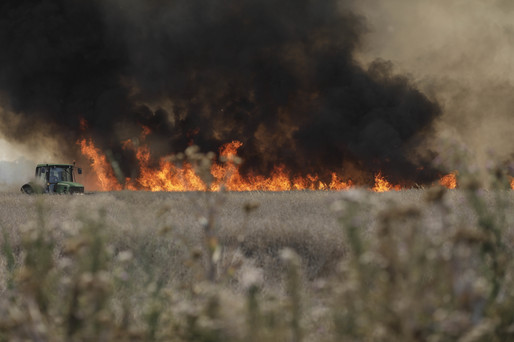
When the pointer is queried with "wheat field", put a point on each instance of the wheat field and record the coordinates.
(427, 265)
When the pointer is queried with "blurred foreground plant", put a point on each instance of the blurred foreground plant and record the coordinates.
(407, 281)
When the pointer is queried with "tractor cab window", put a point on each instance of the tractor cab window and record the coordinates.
(60, 174)
(54, 176)
(41, 173)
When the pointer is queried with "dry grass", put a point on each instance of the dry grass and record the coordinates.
(316, 266)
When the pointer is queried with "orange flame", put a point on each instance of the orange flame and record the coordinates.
(100, 165)
(512, 183)
(167, 176)
(449, 181)
(382, 185)
(280, 180)
(170, 177)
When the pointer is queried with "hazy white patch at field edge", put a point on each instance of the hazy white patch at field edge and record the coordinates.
(13, 174)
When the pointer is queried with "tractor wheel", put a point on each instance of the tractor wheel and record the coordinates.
(27, 189)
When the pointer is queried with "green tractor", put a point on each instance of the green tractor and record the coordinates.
(54, 179)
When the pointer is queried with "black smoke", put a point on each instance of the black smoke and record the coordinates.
(280, 76)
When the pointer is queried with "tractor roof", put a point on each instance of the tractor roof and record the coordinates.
(58, 165)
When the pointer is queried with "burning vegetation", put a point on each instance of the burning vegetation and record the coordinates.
(194, 171)
(224, 172)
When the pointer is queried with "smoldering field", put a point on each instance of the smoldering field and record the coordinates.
(429, 264)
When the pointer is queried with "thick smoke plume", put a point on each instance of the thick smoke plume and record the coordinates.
(279, 76)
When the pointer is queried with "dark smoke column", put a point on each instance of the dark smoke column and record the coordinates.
(278, 76)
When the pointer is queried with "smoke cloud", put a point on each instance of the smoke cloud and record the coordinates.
(460, 53)
(282, 77)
